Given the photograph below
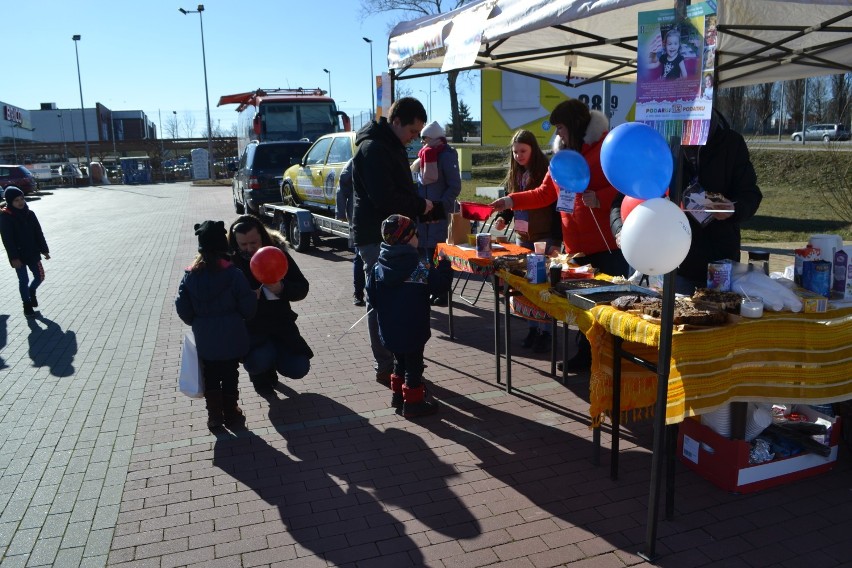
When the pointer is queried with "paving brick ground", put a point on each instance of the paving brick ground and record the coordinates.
(103, 462)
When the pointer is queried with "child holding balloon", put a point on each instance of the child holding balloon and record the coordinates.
(399, 288)
(276, 345)
(527, 170)
(215, 299)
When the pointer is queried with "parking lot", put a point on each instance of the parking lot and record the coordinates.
(103, 462)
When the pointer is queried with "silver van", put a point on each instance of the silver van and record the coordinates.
(824, 132)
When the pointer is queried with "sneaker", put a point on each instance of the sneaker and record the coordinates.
(542, 342)
(358, 300)
(33, 299)
(529, 340)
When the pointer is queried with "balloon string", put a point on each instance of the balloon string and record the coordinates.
(595, 219)
(354, 324)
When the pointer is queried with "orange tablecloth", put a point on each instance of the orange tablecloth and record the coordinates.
(464, 259)
(781, 357)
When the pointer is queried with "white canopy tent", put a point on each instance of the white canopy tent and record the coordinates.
(759, 41)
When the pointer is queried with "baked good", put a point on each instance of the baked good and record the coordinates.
(728, 301)
(685, 311)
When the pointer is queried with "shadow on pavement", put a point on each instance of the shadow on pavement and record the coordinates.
(51, 347)
(341, 478)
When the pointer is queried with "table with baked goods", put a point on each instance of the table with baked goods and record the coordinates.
(463, 259)
(802, 358)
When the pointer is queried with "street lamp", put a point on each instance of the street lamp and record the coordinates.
(206, 95)
(62, 130)
(372, 80)
(329, 80)
(76, 38)
(174, 136)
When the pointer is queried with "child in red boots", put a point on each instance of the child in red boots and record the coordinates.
(399, 289)
(215, 299)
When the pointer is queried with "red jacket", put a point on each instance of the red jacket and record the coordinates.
(579, 230)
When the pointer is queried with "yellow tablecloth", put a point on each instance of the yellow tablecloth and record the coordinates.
(781, 357)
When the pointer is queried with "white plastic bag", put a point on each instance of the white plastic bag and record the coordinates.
(776, 296)
(191, 381)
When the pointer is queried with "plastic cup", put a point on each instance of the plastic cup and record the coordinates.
(540, 247)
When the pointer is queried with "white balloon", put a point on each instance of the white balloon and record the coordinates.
(656, 236)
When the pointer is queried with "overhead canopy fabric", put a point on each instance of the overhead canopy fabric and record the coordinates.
(759, 41)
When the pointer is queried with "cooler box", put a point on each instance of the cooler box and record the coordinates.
(724, 462)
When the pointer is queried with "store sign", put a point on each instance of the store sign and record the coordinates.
(13, 114)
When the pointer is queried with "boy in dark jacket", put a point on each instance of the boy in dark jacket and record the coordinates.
(25, 245)
(399, 288)
(215, 299)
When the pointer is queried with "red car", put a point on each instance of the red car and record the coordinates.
(20, 177)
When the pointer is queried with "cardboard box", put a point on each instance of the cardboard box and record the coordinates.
(812, 303)
(724, 462)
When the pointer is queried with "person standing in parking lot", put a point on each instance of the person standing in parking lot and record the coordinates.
(25, 245)
(345, 208)
(439, 180)
(383, 186)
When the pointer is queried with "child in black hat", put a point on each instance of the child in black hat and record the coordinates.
(25, 245)
(399, 289)
(215, 299)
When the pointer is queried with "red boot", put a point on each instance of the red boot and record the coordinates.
(396, 384)
(415, 404)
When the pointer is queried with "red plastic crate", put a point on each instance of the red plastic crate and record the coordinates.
(724, 462)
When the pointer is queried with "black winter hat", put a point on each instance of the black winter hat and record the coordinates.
(11, 194)
(212, 237)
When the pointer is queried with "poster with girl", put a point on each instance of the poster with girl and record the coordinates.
(674, 87)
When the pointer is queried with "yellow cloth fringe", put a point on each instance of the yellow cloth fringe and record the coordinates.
(782, 356)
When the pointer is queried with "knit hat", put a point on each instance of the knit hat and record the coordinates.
(11, 194)
(433, 130)
(398, 230)
(212, 237)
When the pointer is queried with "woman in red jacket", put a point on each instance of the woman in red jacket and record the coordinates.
(586, 230)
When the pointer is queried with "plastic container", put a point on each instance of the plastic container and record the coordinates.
(751, 307)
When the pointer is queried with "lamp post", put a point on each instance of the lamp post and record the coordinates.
(76, 38)
(372, 80)
(429, 95)
(329, 80)
(62, 130)
(14, 139)
(174, 137)
(206, 95)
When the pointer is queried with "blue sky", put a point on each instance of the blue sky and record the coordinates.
(146, 55)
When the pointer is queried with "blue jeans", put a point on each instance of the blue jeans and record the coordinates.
(384, 358)
(358, 275)
(272, 353)
(24, 286)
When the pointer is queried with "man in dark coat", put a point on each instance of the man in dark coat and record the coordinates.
(25, 245)
(383, 186)
(277, 346)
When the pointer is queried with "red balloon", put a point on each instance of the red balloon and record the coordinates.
(269, 265)
(628, 204)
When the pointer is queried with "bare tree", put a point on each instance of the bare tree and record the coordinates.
(841, 94)
(188, 125)
(794, 96)
(172, 126)
(817, 99)
(418, 8)
(732, 104)
(763, 106)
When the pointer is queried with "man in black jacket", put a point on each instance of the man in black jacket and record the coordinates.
(383, 186)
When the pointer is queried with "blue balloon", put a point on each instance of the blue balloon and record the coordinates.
(637, 161)
(570, 171)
